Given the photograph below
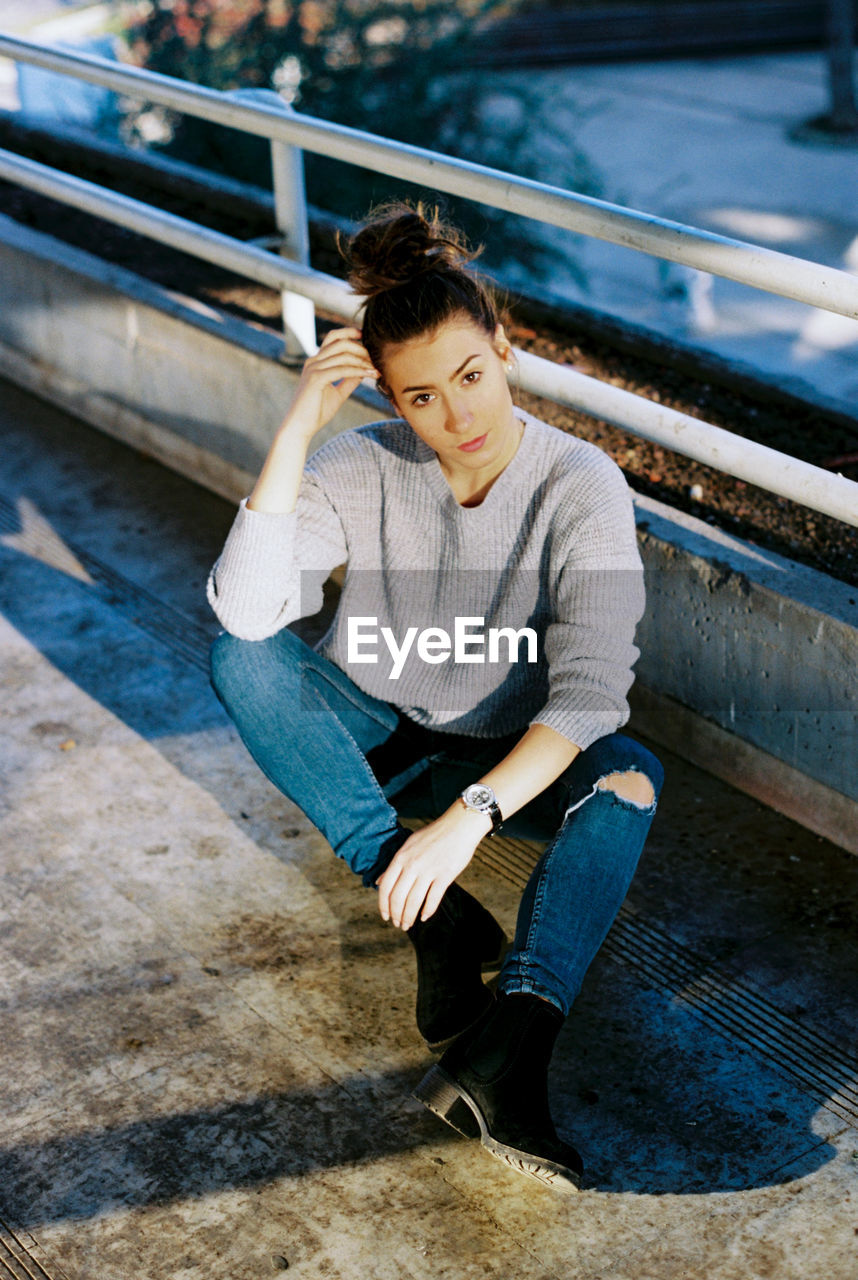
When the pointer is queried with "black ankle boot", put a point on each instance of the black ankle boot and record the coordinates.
(453, 948)
(493, 1084)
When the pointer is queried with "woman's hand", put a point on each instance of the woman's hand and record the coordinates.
(327, 380)
(427, 864)
(432, 858)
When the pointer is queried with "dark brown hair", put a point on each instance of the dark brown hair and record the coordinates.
(415, 272)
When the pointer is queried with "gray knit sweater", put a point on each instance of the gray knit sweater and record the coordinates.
(551, 548)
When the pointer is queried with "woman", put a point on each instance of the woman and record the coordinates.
(476, 670)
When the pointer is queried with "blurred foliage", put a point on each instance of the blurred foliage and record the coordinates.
(397, 68)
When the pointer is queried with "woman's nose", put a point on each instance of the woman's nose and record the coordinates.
(459, 418)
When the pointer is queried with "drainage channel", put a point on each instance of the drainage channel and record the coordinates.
(17, 1259)
(735, 1008)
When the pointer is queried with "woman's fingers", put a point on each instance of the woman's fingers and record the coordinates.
(432, 901)
(331, 365)
(344, 340)
(405, 900)
(348, 385)
(417, 879)
(346, 330)
(394, 887)
(335, 360)
(340, 350)
(412, 908)
(386, 884)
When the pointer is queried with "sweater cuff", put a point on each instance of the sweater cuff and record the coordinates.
(584, 717)
(247, 517)
(253, 574)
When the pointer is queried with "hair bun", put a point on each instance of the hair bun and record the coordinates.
(400, 244)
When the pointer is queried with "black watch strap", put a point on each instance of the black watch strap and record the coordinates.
(480, 797)
(496, 817)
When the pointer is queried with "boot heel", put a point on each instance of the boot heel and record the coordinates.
(442, 1097)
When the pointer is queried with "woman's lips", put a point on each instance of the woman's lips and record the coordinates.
(473, 445)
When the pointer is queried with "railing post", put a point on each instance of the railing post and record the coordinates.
(841, 47)
(290, 212)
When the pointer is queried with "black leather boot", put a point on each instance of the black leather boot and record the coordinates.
(454, 947)
(493, 1084)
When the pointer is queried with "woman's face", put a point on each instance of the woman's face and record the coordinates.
(451, 387)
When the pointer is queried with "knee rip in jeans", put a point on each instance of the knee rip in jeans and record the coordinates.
(632, 786)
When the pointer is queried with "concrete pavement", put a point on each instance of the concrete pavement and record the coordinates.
(208, 1043)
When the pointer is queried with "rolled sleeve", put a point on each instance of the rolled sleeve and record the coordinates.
(590, 652)
(273, 566)
(598, 598)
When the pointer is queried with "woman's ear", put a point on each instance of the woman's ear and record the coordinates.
(502, 345)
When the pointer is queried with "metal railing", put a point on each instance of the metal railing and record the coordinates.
(790, 277)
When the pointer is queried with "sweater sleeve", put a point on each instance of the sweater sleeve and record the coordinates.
(598, 599)
(273, 567)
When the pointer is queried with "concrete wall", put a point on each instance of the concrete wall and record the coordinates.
(764, 652)
(187, 383)
(748, 660)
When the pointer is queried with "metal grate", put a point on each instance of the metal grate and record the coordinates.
(17, 1260)
(817, 1065)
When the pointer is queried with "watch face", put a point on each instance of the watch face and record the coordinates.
(479, 795)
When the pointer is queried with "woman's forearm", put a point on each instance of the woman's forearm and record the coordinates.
(276, 489)
(536, 760)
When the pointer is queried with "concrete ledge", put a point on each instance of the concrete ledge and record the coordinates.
(821, 809)
(763, 648)
(748, 659)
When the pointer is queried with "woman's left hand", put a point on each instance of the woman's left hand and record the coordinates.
(426, 866)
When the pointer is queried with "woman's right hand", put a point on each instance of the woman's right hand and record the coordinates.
(327, 380)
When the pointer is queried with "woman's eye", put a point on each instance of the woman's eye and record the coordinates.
(473, 376)
(423, 398)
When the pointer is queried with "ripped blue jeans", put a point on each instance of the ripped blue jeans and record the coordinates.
(354, 765)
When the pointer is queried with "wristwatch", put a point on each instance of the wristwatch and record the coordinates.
(480, 797)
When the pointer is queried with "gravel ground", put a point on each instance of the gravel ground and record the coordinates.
(705, 392)
(743, 509)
